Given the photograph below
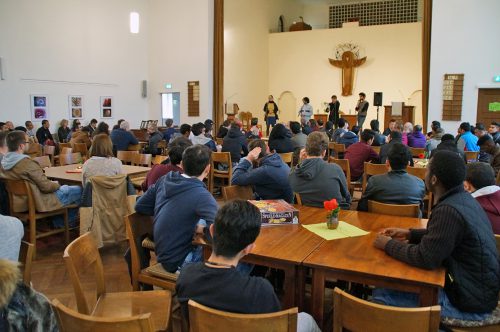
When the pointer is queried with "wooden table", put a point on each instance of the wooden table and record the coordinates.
(59, 173)
(357, 260)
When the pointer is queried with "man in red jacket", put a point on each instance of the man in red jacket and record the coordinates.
(360, 152)
(480, 182)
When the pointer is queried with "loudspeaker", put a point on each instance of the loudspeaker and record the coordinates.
(377, 99)
(144, 89)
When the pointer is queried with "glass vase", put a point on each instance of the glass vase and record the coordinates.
(332, 222)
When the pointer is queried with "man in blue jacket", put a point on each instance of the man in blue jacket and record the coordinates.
(122, 137)
(269, 179)
(467, 140)
(181, 206)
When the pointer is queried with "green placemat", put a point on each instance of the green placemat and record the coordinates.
(344, 230)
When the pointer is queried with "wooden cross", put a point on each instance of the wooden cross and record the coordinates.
(348, 63)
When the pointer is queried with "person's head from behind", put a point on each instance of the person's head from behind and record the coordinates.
(367, 136)
(408, 127)
(341, 123)
(328, 125)
(395, 136)
(398, 126)
(355, 130)
(313, 123)
(101, 146)
(486, 144)
(169, 123)
(494, 127)
(196, 161)
(254, 122)
(29, 125)
(374, 125)
(16, 141)
(278, 131)
(464, 127)
(209, 124)
(478, 175)
(258, 143)
(316, 144)
(435, 125)
(295, 127)
(3, 143)
(447, 137)
(198, 129)
(176, 149)
(103, 128)
(305, 100)
(446, 170)
(236, 226)
(417, 129)
(397, 157)
(185, 130)
(125, 125)
(320, 123)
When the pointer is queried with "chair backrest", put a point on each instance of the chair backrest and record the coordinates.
(338, 148)
(498, 179)
(66, 150)
(205, 319)
(138, 226)
(43, 161)
(224, 158)
(417, 152)
(20, 188)
(287, 158)
(419, 172)
(70, 320)
(376, 149)
(70, 158)
(142, 160)
(33, 149)
(82, 255)
(297, 198)
(26, 259)
(158, 159)
(64, 145)
(471, 156)
(355, 315)
(331, 147)
(237, 192)
(126, 157)
(134, 147)
(219, 140)
(497, 238)
(82, 148)
(406, 210)
(49, 150)
(344, 165)
(372, 169)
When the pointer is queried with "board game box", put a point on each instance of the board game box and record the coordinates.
(277, 212)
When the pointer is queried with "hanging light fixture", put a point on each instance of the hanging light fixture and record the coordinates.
(134, 22)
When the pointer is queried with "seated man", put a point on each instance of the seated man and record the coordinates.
(395, 187)
(458, 237)
(269, 179)
(467, 141)
(487, 145)
(49, 195)
(298, 137)
(360, 152)
(178, 202)
(416, 139)
(43, 134)
(494, 131)
(342, 128)
(122, 137)
(217, 284)
(11, 235)
(448, 143)
(316, 180)
(349, 137)
(170, 131)
(480, 182)
(198, 131)
(394, 138)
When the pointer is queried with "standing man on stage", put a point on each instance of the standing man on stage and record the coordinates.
(362, 109)
(271, 110)
(333, 109)
(306, 111)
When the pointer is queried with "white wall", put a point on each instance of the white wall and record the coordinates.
(317, 15)
(75, 41)
(464, 40)
(180, 50)
(246, 30)
(298, 62)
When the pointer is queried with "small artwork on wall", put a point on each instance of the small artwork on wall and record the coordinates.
(106, 107)
(75, 107)
(39, 107)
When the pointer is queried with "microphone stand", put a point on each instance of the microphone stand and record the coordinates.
(377, 112)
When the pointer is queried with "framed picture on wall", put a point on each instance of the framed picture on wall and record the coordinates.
(106, 107)
(75, 107)
(39, 107)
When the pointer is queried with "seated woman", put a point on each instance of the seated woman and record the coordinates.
(101, 161)
(81, 136)
(102, 128)
(63, 131)
(280, 139)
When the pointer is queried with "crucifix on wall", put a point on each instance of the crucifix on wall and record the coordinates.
(347, 58)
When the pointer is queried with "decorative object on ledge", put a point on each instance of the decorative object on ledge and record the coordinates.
(347, 57)
(300, 26)
(453, 87)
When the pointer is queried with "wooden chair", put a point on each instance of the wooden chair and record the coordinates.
(471, 156)
(298, 199)
(22, 188)
(497, 238)
(64, 145)
(82, 149)
(416, 152)
(331, 148)
(219, 141)
(140, 227)
(220, 158)
(162, 146)
(33, 150)
(140, 159)
(237, 192)
(406, 210)
(344, 165)
(287, 158)
(126, 157)
(43, 161)
(82, 255)
(159, 159)
(26, 260)
(70, 158)
(49, 150)
(205, 319)
(338, 150)
(354, 314)
(134, 147)
(498, 179)
(372, 169)
(70, 320)
(376, 149)
(419, 172)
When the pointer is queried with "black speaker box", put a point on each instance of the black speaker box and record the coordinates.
(377, 99)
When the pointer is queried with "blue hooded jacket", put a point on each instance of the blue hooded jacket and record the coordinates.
(348, 138)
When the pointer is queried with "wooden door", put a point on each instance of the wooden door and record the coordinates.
(484, 99)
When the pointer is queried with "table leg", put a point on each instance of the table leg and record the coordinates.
(318, 296)
(300, 286)
(428, 296)
(290, 287)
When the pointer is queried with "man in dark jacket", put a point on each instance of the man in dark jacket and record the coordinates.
(269, 179)
(235, 143)
(280, 139)
(458, 237)
(43, 133)
(122, 137)
(396, 186)
(179, 202)
(448, 143)
(394, 137)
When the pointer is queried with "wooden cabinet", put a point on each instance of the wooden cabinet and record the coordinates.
(352, 119)
(323, 117)
(406, 115)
